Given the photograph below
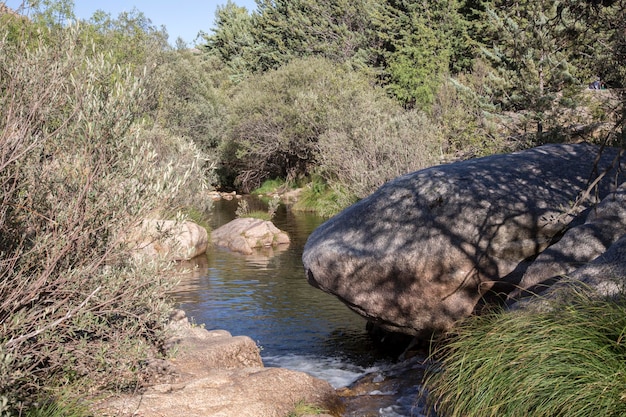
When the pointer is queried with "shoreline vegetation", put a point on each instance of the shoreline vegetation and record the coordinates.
(564, 360)
(104, 124)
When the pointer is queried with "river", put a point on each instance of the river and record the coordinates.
(266, 296)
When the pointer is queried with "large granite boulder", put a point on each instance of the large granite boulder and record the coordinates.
(604, 276)
(422, 251)
(604, 225)
(245, 234)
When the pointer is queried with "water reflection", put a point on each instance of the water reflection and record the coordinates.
(266, 296)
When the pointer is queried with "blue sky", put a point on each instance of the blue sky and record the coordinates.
(184, 18)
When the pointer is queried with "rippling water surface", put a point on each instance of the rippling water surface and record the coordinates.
(266, 296)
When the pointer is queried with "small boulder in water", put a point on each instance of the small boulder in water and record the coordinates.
(180, 241)
(245, 234)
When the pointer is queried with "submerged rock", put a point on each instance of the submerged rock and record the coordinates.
(422, 251)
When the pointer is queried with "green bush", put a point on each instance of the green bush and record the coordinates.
(374, 143)
(568, 361)
(188, 104)
(77, 171)
(315, 116)
(325, 200)
(276, 119)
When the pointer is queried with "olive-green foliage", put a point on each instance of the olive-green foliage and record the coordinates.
(374, 142)
(188, 103)
(77, 171)
(131, 37)
(276, 118)
(52, 14)
(322, 198)
(470, 125)
(568, 361)
(316, 116)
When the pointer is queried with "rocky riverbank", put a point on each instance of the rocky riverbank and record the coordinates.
(212, 373)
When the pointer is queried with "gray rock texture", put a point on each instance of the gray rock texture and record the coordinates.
(423, 250)
(571, 256)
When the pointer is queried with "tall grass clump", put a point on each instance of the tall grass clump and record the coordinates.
(78, 170)
(569, 361)
(322, 198)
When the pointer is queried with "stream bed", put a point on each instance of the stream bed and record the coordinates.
(266, 296)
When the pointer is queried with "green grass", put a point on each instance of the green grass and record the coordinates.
(570, 361)
(301, 408)
(271, 186)
(322, 199)
(197, 216)
(59, 409)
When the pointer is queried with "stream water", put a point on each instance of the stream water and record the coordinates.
(266, 296)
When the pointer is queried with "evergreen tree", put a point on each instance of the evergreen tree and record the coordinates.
(533, 55)
(233, 40)
(416, 45)
(288, 29)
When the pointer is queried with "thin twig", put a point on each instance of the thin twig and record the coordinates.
(67, 316)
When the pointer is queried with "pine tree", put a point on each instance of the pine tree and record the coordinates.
(232, 40)
(533, 56)
(416, 45)
(333, 29)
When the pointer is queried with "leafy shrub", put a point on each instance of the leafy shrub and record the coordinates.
(76, 172)
(314, 116)
(277, 118)
(466, 121)
(188, 104)
(378, 142)
(565, 362)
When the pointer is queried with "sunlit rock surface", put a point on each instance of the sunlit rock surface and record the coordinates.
(245, 234)
(171, 239)
(215, 374)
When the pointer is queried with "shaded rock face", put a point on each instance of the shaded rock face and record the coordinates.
(245, 234)
(596, 240)
(419, 253)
